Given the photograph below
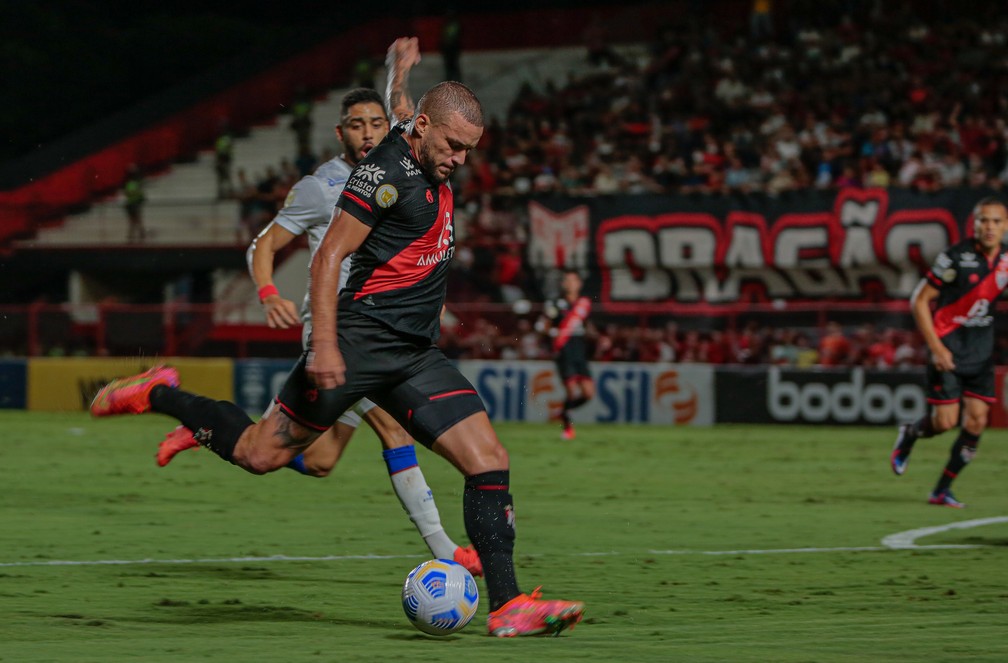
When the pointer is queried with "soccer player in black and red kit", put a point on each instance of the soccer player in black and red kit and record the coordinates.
(396, 218)
(565, 321)
(963, 283)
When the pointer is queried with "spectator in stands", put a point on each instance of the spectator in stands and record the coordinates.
(364, 69)
(301, 121)
(223, 155)
(451, 46)
(761, 20)
(834, 348)
(133, 193)
(250, 212)
(807, 356)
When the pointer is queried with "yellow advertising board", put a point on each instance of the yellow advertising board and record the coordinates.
(70, 383)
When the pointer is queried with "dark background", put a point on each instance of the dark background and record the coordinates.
(66, 64)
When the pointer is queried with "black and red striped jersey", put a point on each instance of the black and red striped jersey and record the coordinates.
(568, 321)
(398, 275)
(968, 284)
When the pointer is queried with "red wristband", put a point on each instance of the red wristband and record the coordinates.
(267, 290)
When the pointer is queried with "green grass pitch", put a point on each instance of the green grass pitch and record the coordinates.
(690, 544)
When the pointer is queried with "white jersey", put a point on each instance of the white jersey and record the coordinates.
(309, 208)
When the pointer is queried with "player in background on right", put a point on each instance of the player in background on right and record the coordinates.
(964, 282)
(564, 320)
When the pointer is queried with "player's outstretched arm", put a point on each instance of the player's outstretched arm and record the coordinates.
(280, 313)
(403, 55)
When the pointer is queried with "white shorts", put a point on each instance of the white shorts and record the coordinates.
(352, 417)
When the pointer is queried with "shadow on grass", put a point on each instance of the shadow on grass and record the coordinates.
(169, 611)
(984, 541)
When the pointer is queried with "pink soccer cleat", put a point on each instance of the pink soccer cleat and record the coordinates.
(178, 440)
(131, 395)
(529, 615)
(469, 558)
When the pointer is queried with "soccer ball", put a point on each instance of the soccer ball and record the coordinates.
(440, 597)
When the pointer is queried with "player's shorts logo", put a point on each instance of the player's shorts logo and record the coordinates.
(386, 195)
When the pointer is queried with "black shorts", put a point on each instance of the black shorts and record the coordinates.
(409, 378)
(946, 387)
(572, 362)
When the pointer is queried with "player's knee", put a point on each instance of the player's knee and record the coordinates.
(944, 422)
(318, 471)
(258, 462)
(259, 459)
(497, 455)
(976, 423)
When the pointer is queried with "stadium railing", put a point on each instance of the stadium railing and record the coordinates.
(203, 329)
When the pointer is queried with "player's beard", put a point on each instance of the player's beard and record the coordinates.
(429, 165)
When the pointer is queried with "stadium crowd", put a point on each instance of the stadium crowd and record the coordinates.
(835, 345)
(853, 94)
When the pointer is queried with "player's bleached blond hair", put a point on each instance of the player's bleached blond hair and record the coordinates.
(439, 102)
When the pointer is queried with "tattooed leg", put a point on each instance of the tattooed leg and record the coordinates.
(272, 442)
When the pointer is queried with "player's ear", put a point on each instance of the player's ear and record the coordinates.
(339, 132)
(421, 123)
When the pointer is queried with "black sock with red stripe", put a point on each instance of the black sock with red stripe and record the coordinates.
(488, 511)
(216, 425)
(962, 452)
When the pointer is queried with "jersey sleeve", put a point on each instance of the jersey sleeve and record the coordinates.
(306, 206)
(941, 271)
(371, 191)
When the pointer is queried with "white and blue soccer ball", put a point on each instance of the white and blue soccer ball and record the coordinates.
(440, 597)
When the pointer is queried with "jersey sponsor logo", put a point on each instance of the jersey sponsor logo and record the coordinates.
(409, 167)
(372, 172)
(361, 187)
(978, 315)
(331, 182)
(445, 244)
(290, 198)
(948, 275)
(943, 260)
(386, 196)
(968, 259)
